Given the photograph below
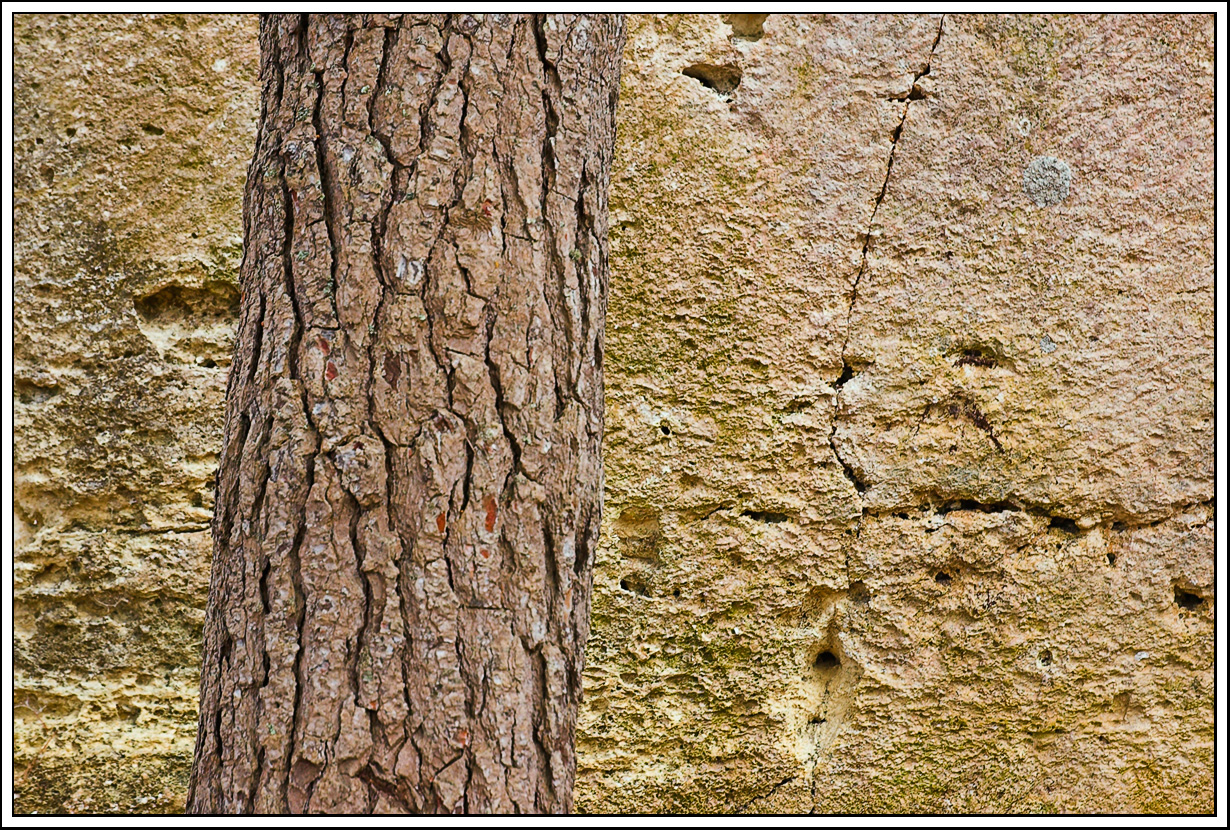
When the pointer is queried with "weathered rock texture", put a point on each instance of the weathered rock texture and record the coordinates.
(909, 495)
(132, 135)
(910, 479)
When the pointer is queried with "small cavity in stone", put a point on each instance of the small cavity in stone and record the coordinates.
(1187, 600)
(721, 78)
(827, 661)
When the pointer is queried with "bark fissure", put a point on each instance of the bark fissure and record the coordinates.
(398, 622)
(558, 303)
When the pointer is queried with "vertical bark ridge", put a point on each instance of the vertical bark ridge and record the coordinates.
(410, 487)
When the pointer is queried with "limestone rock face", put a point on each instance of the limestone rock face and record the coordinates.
(909, 436)
(132, 135)
(909, 443)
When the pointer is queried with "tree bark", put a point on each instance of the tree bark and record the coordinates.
(410, 487)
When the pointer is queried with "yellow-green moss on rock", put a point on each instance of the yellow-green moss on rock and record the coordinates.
(908, 480)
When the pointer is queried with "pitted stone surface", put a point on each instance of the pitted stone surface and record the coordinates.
(909, 480)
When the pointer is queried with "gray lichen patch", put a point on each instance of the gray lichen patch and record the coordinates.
(1047, 180)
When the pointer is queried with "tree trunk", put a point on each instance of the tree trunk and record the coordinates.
(410, 487)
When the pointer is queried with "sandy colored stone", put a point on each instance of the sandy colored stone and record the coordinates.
(1113, 420)
(132, 134)
(925, 525)
(909, 478)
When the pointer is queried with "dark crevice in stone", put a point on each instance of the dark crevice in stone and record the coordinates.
(721, 78)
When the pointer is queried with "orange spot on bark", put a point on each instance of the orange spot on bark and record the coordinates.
(486, 554)
(324, 344)
(463, 737)
(489, 503)
(440, 522)
(330, 371)
(392, 368)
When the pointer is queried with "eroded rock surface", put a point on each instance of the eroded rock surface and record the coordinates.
(909, 489)
(132, 136)
(910, 478)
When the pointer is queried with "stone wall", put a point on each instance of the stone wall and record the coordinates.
(132, 135)
(909, 490)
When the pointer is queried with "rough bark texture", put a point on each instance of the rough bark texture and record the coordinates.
(410, 484)
(793, 467)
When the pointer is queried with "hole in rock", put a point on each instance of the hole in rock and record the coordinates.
(29, 392)
(766, 517)
(721, 78)
(666, 428)
(827, 661)
(1186, 599)
(1110, 559)
(976, 357)
(1045, 657)
(981, 507)
(1064, 525)
(192, 324)
(635, 585)
(943, 578)
(215, 301)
